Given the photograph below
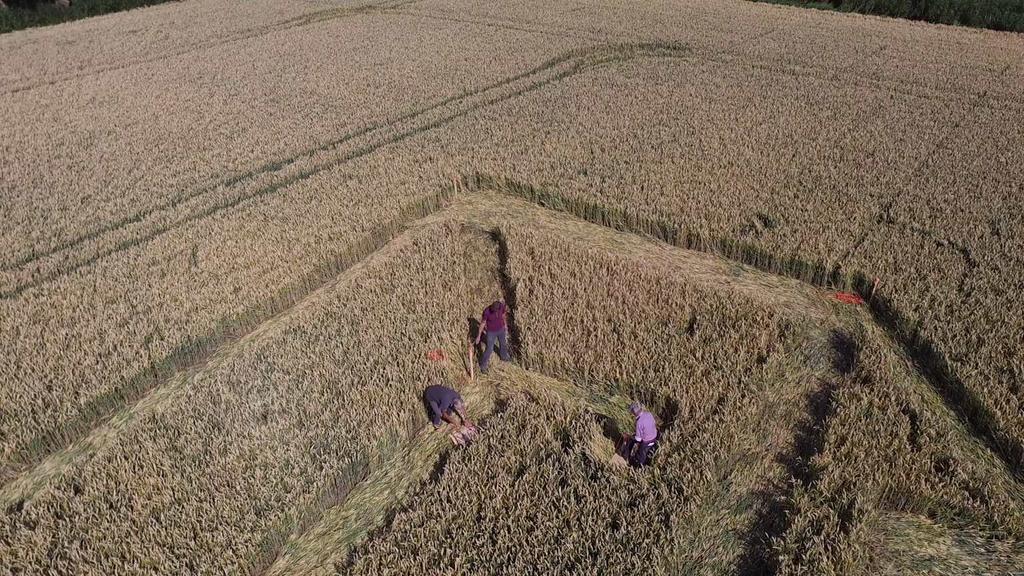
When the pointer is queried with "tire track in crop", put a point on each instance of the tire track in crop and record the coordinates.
(516, 26)
(269, 167)
(727, 56)
(45, 457)
(314, 17)
(196, 205)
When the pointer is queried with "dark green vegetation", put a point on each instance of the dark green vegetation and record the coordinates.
(994, 14)
(21, 14)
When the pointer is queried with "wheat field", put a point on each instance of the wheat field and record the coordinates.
(240, 238)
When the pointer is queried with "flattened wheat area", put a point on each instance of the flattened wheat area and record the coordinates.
(519, 287)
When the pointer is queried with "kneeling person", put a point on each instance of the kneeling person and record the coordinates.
(636, 449)
(442, 402)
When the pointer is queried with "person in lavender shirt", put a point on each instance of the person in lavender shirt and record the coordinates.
(493, 321)
(637, 448)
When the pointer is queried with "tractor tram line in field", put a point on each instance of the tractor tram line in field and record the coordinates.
(354, 139)
(315, 17)
(503, 24)
(38, 270)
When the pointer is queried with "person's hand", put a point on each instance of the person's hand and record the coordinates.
(477, 341)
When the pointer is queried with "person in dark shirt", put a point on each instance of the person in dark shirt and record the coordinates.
(493, 321)
(442, 402)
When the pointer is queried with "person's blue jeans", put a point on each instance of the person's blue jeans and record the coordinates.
(503, 352)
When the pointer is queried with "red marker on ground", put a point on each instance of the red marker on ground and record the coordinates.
(848, 297)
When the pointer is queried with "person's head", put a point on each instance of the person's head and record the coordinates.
(636, 408)
(497, 304)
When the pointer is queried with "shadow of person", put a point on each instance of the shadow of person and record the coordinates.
(474, 329)
(610, 430)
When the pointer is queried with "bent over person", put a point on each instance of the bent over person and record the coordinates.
(493, 320)
(442, 402)
(637, 448)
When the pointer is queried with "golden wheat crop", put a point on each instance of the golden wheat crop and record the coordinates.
(134, 162)
(178, 185)
(47, 55)
(169, 251)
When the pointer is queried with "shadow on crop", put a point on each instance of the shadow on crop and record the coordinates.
(775, 513)
(845, 351)
(609, 430)
(961, 400)
(667, 415)
(508, 290)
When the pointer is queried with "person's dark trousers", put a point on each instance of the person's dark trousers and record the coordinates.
(643, 451)
(502, 337)
(432, 411)
(626, 448)
(638, 457)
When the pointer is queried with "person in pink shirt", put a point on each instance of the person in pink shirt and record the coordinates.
(493, 321)
(637, 448)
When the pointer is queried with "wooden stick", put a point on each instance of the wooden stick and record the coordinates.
(469, 354)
